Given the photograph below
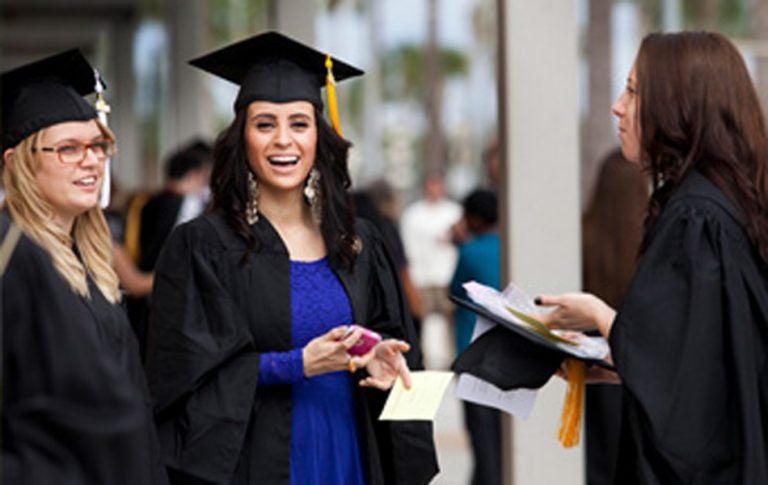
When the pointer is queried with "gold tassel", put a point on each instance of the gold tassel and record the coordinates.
(131, 239)
(330, 85)
(573, 407)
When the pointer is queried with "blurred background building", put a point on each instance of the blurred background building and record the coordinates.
(445, 80)
(428, 102)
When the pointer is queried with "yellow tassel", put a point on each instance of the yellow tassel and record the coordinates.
(133, 226)
(573, 407)
(330, 85)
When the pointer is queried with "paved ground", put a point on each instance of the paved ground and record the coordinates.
(452, 445)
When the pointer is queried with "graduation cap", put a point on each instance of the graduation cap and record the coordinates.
(44, 93)
(273, 67)
(511, 357)
(508, 360)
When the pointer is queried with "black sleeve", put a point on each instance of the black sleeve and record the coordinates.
(388, 308)
(201, 364)
(689, 344)
(406, 449)
(394, 242)
(158, 218)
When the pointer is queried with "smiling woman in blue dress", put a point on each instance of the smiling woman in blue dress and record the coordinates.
(248, 352)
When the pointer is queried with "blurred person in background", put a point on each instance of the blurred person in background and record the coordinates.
(133, 281)
(183, 197)
(426, 230)
(491, 163)
(479, 260)
(385, 199)
(75, 404)
(491, 160)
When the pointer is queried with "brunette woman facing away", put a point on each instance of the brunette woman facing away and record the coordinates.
(75, 406)
(248, 352)
(690, 339)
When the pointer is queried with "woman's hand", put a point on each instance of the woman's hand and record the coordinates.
(594, 375)
(384, 363)
(328, 352)
(577, 311)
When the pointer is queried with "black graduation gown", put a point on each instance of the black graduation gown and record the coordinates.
(211, 319)
(158, 218)
(70, 412)
(690, 343)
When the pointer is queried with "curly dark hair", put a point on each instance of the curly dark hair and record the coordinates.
(699, 111)
(229, 187)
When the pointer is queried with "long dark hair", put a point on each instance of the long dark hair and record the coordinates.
(699, 110)
(229, 188)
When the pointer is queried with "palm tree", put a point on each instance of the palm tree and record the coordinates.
(706, 11)
(434, 149)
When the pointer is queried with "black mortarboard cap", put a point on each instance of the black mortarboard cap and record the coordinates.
(44, 93)
(508, 360)
(508, 356)
(511, 356)
(273, 67)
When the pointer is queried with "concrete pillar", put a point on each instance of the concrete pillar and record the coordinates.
(127, 169)
(372, 166)
(599, 133)
(190, 106)
(539, 131)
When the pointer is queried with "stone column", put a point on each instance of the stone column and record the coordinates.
(539, 132)
(189, 102)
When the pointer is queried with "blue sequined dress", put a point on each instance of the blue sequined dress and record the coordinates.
(325, 446)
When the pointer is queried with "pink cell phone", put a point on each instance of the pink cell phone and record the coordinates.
(367, 340)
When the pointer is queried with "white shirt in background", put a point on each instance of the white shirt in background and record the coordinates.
(425, 228)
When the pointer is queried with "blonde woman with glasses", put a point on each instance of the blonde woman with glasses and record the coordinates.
(75, 402)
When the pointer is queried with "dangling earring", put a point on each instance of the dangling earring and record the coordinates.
(313, 195)
(252, 207)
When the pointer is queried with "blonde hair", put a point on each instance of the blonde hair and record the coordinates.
(90, 233)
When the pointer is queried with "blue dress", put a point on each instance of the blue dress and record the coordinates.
(324, 437)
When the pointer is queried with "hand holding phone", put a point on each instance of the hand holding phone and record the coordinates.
(367, 340)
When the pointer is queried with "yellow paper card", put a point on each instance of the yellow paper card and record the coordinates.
(421, 401)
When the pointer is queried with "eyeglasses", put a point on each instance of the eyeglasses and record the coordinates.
(74, 152)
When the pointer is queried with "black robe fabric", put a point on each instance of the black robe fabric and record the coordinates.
(211, 319)
(158, 218)
(74, 410)
(690, 343)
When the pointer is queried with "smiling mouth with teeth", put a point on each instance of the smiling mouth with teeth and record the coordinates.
(283, 161)
(88, 181)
